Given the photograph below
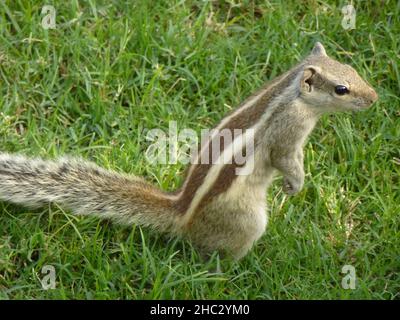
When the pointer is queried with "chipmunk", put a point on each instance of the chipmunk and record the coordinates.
(215, 208)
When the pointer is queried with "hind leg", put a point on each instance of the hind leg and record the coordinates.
(233, 239)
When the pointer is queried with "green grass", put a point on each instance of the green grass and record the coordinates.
(113, 69)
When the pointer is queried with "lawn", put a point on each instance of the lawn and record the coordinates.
(112, 70)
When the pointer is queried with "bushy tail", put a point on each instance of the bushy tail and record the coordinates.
(85, 188)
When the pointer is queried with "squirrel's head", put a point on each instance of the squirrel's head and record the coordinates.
(332, 86)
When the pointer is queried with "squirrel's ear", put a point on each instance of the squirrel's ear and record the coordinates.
(308, 78)
(318, 50)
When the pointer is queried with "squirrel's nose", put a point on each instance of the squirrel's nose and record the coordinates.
(371, 96)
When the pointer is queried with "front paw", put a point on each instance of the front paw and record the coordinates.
(291, 186)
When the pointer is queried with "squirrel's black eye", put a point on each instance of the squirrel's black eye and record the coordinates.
(341, 90)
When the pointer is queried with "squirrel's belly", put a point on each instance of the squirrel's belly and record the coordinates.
(233, 220)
